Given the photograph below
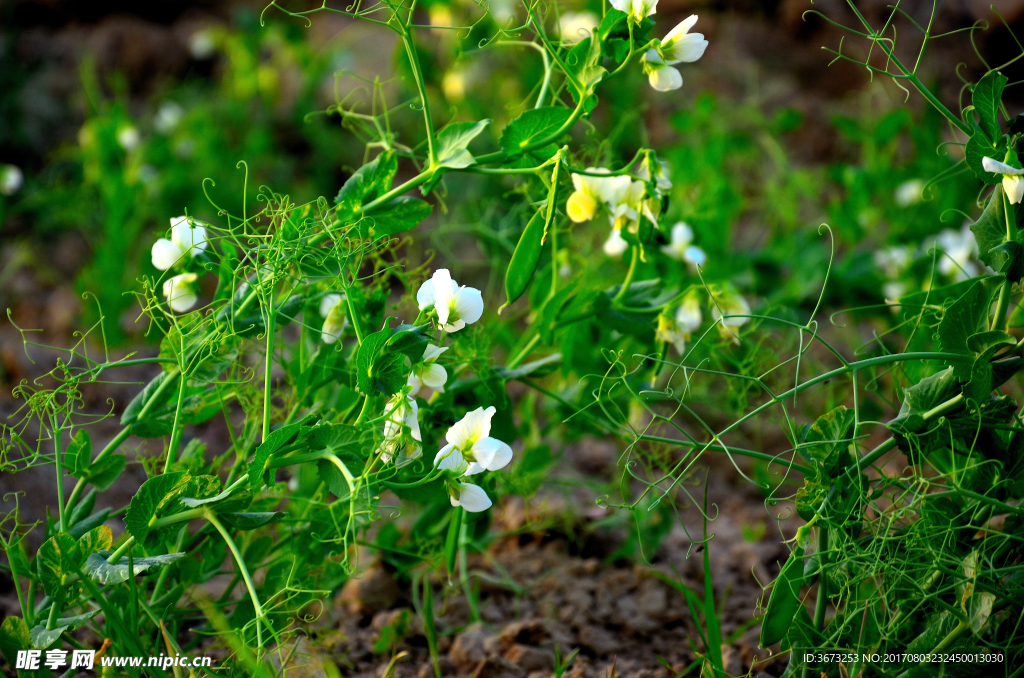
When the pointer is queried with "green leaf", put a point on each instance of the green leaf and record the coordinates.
(259, 469)
(532, 127)
(408, 340)
(525, 259)
(42, 638)
(367, 184)
(987, 97)
(452, 143)
(58, 559)
(828, 441)
(979, 147)
(99, 570)
(250, 521)
(990, 230)
(156, 494)
(966, 316)
(14, 636)
(377, 368)
(584, 66)
(103, 473)
(398, 216)
(80, 528)
(148, 392)
(784, 600)
(78, 455)
(921, 398)
(96, 539)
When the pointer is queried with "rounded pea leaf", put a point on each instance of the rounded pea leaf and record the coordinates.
(524, 260)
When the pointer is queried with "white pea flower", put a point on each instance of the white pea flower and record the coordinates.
(1013, 182)
(676, 329)
(893, 261)
(681, 246)
(615, 245)
(681, 46)
(333, 309)
(469, 496)
(662, 172)
(168, 117)
(909, 193)
(959, 250)
(575, 26)
(688, 315)
(187, 239)
(471, 449)
(402, 439)
(660, 74)
(670, 332)
(456, 306)
(11, 179)
(636, 10)
(428, 372)
(180, 294)
(129, 138)
(625, 199)
(731, 311)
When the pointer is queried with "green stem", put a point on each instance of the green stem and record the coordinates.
(60, 473)
(822, 602)
(176, 430)
(521, 356)
(212, 519)
(999, 319)
(629, 275)
(417, 74)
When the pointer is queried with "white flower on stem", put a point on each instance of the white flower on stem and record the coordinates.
(469, 496)
(909, 193)
(428, 372)
(688, 315)
(636, 10)
(180, 294)
(187, 239)
(661, 75)
(731, 311)
(662, 172)
(681, 46)
(625, 199)
(455, 306)
(676, 329)
(471, 449)
(575, 26)
(333, 309)
(959, 248)
(670, 332)
(681, 247)
(1013, 182)
(11, 179)
(402, 439)
(893, 261)
(615, 245)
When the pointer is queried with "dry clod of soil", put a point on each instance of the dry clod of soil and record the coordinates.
(374, 591)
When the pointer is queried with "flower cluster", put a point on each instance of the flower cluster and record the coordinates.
(470, 449)
(679, 46)
(188, 239)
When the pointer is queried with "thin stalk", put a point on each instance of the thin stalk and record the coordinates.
(212, 519)
(176, 429)
(268, 367)
(629, 275)
(999, 319)
(60, 473)
(822, 602)
(122, 436)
